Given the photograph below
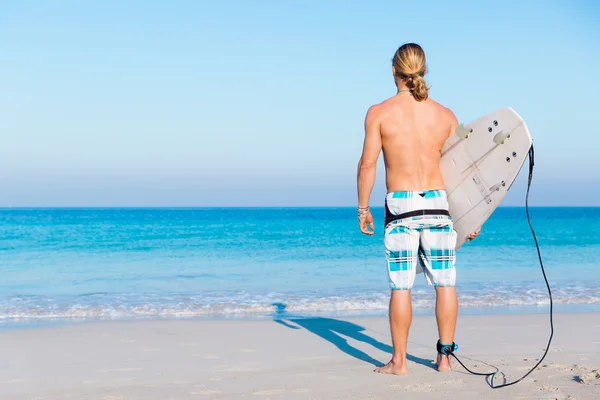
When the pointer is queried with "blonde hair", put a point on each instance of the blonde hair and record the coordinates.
(409, 66)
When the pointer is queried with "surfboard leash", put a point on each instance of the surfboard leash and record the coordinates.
(449, 349)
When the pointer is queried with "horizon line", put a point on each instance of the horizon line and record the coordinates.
(239, 207)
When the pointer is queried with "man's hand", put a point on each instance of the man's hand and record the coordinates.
(365, 220)
(473, 235)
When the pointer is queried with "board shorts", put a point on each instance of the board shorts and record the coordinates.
(419, 229)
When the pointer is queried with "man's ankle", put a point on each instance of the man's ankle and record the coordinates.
(399, 360)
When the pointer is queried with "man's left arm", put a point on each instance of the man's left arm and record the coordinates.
(453, 125)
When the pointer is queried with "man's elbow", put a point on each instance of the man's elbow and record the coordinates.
(367, 165)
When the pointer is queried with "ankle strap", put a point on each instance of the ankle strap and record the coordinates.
(446, 349)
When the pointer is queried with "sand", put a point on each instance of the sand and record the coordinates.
(316, 358)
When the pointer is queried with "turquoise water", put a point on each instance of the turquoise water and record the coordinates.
(234, 262)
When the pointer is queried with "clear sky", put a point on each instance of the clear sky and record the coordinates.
(219, 103)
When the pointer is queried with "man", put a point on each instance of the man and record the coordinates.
(411, 129)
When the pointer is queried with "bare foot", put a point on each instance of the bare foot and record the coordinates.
(393, 368)
(443, 363)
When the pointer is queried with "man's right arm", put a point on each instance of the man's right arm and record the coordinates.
(368, 160)
(366, 170)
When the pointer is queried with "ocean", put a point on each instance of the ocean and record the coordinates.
(85, 264)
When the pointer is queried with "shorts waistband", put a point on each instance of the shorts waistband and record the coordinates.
(410, 204)
(425, 194)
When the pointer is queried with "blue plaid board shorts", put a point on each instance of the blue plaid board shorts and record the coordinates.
(427, 239)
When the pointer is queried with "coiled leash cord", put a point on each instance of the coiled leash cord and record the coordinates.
(448, 350)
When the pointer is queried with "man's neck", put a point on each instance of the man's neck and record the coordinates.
(402, 89)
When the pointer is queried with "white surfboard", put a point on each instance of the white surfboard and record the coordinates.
(479, 164)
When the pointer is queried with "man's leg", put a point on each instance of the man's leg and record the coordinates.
(402, 245)
(400, 320)
(438, 244)
(446, 312)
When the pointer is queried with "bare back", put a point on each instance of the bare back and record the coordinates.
(412, 136)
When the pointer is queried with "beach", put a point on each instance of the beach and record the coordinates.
(311, 358)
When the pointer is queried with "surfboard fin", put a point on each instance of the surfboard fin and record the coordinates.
(495, 188)
(462, 131)
(500, 137)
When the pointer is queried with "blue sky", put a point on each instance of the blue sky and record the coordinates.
(197, 103)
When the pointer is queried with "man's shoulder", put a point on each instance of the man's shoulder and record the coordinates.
(380, 106)
(444, 111)
(376, 110)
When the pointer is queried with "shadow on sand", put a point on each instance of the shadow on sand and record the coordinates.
(333, 331)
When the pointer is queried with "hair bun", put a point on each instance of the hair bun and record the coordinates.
(409, 64)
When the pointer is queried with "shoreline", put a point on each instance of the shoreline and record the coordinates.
(315, 358)
(38, 323)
